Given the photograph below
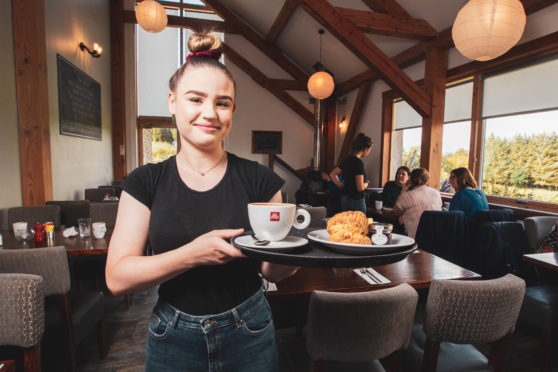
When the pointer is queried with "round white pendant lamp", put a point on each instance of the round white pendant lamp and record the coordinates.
(151, 16)
(486, 29)
(320, 85)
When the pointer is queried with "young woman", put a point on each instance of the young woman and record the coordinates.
(211, 313)
(392, 189)
(354, 176)
(467, 198)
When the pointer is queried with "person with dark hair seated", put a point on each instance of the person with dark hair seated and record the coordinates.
(416, 198)
(392, 189)
(468, 198)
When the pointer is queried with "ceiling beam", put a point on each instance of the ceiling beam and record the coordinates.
(195, 24)
(532, 6)
(360, 101)
(282, 18)
(273, 52)
(387, 24)
(387, 6)
(346, 31)
(269, 84)
(291, 84)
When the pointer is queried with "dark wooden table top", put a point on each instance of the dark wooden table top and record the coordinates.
(418, 270)
(75, 246)
(547, 260)
(382, 215)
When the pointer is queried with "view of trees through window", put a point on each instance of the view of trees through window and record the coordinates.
(521, 156)
(158, 144)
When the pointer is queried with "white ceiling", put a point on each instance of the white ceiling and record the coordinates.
(299, 39)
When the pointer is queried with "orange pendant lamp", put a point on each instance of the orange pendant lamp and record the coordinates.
(151, 16)
(320, 84)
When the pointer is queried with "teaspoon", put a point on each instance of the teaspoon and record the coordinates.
(259, 241)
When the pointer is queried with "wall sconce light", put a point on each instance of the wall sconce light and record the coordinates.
(96, 52)
(343, 124)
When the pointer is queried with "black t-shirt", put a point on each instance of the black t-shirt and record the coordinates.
(179, 215)
(351, 167)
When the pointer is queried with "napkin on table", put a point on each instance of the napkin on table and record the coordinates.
(70, 231)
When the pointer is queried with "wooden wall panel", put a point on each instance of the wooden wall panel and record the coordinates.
(32, 98)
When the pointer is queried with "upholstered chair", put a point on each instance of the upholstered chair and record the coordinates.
(460, 313)
(75, 314)
(22, 316)
(71, 210)
(95, 195)
(359, 327)
(104, 212)
(34, 214)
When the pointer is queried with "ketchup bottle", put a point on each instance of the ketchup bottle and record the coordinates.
(39, 236)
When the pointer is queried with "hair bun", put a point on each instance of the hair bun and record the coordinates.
(201, 41)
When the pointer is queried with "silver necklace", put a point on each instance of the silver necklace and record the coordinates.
(207, 171)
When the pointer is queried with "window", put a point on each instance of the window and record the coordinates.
(520, 158)
(405, 148)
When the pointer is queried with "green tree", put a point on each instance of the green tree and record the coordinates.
(163, 135)
(411, 158)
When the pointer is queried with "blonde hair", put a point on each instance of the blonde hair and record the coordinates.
(205, 52)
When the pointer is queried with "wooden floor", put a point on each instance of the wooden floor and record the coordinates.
(126, 332)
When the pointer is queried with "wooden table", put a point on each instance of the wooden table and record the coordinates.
(546, 260)
(382, 215)
(75, 246)
(290, 302)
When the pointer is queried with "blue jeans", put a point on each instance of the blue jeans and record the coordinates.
(241, 339)
(350, 204)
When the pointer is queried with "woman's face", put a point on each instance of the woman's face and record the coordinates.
(203, 104)
(453, 181)
(401, 177)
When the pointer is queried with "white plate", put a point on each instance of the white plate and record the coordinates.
(397, 242)
(287, 244)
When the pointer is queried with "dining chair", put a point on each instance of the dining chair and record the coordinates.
(460, 313)
(359, 327)
(72, 315)
(22, 317)
(104, 212)
(71, 210)
(97, 195)
(117, 190)
(34, 214)
(444, 234)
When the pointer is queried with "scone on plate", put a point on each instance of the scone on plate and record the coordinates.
(348, 227)
(349, 221)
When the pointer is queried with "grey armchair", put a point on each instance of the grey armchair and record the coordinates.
(360, 327)
(537, 228)
(104, 212)
(72, 314)
(459, 313)
(34, 214)
(22, 317)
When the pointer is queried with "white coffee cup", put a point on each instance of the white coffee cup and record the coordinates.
(99, 229)
(378, 204)
(273, 221)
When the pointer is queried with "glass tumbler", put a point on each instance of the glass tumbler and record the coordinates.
(84, 225)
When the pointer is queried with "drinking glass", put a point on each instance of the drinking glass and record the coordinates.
(84, 227)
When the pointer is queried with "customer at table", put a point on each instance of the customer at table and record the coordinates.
(468, 198)
(354, 177)
(416, 197)
(211, 313)
(392, 189)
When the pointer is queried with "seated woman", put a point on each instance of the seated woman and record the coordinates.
(412, 202)
(467, 198)
(392, 189)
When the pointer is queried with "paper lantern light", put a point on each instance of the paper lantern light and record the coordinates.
(486, 29)
(320, 85)
(151, 16)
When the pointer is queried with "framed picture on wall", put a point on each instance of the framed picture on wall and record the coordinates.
(79, 101)
(267, 142)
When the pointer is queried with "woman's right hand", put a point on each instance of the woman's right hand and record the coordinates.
(212, 248)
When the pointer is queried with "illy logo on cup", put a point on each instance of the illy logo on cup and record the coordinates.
(274, 216)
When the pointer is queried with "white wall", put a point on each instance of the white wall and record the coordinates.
(538, 24)
(79, 163)
(10, 176)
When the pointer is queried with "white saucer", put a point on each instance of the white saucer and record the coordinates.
(287, 244)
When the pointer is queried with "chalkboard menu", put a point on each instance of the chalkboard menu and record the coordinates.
(267, 142)
(79, 101)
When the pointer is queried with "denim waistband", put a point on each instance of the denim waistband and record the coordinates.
(206, 322)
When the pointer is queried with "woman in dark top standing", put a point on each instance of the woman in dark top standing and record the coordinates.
(211, 314)
(354, 176)
(392, 189)
(467, 198)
